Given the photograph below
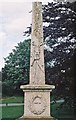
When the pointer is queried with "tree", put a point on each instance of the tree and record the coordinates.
(16, 68)
(60, 38)
(59, 21)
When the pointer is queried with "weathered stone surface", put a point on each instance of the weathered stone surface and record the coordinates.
(37, 94)
(37, 104)
(37, 100)
(37, 118)
(37, 72)
(37, 87)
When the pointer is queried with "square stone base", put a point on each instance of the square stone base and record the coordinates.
(36, 118)
(37, 102)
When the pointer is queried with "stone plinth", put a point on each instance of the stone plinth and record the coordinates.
(37, 101)
(37, 118)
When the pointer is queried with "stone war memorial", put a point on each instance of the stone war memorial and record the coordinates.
(37, 93)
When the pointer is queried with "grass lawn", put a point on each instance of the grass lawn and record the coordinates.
(0, 113)
(65, 113)
(13, 99)
(11, 113)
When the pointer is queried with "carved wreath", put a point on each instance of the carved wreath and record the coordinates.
(37, 105)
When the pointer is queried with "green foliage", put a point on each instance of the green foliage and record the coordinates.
(59, 21)
(60, 37)
(16, 70)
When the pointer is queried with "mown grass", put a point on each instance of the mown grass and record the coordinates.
(64, 113)
(0, 113)
(17, 111)
(13, 99)
(11, 113)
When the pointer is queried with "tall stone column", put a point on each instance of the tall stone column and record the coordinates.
(37, 72)
(37, 93)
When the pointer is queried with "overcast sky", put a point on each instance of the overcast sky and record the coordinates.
(14, 19)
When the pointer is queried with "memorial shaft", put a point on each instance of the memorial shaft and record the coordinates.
(37, 72)
(37, 93)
